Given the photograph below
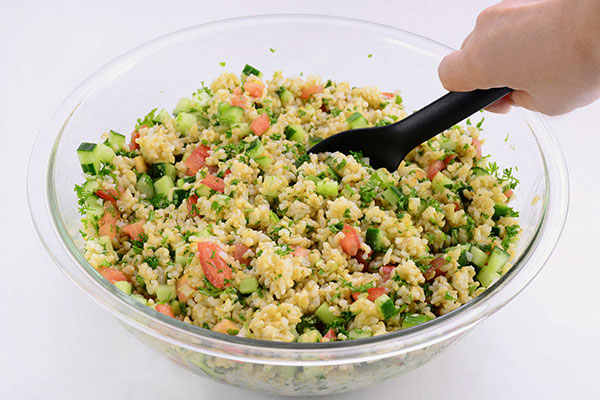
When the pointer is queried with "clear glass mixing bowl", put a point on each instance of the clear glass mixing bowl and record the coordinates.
(158, 73)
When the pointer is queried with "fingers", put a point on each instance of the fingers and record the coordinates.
(455, 73)
(501, 106)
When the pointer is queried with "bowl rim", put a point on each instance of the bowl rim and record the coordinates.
(45, 212)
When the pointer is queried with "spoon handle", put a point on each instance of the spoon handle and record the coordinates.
(446, 112)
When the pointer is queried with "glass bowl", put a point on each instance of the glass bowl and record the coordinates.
(158, 73)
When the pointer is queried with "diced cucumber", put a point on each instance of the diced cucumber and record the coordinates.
(164, 185)
(324, 315)
(248, 285)
(145, 186)
(184, 121)
(255, 149)
(313, 178)
(393, 196)
(180, 182)
(183, 105)
(264, 162)
(139, 298)
(203, 191)
(374, 238)
(415, 319)
(382, 177)
(357, 120)
(439, 182)
(357, 333)
(200, 100)
(486, 276)
(312, 140)
(271, 186)
(178, 307)
(158, 170)
(500, 210)
(88, 158)
(327, 188)
(478, 171)
(446, 144)
(105, 154)
(177, 196)
(295, 132)
(386, 306)
(498, 258)
(311, 336)
(284, 95)
(231, 115)
(90, 186)
(243, 127)
(250, 70)
(491, 271)
(165, 293)
(116, 139)
(105, 242)
(479, 256)
(94, 206)
(181, 260)
(162, 117)
(124, 286)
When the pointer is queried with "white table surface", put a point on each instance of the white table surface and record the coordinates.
(55, 343)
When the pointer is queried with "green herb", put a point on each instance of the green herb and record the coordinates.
(448, 296)
(151, 261)
(335, 111)
(222, 64)
(337, 227)
(358, 289)
(339, 324)
(159, 201)
(283, 250)
(480, 123)
(347, 213)
(272, 50)
(301, 160)
(370, 56)
(509, 233)
(148, 120)
(125, 153)
(307, 323)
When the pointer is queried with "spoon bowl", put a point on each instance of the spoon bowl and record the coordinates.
(386, 146)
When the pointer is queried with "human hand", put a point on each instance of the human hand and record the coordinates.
(548, 51)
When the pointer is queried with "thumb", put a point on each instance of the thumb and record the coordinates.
(456, 73)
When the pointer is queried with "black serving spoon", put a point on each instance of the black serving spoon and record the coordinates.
(386, 146)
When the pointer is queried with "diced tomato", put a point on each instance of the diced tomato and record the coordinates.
(134, 230)
(214, 182)
(112, 275)
(227, 172)
(238, 253)
(213, 169)
(508, 193)
(388, 95)
(456, 206)
(375, 292)
(434, 168)
(196, 160)
(133, 145)
(213, 264)
(300, 251)
(260, 124)
(107, 225)
(386, 272)
(254, 88)
(330, 336)
(363, 258)
(191, 203)
(435, 269)
(226, 326)
(109, 195)
(184, 288)
(165, 309)
(324, 108)
(239, 101)
(237, 90)
(477, 145)
(309, 91)
(350, 242)
(448, 159)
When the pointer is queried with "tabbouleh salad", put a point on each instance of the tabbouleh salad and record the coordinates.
(214, 214)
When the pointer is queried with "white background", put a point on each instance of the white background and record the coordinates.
(57, 343)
